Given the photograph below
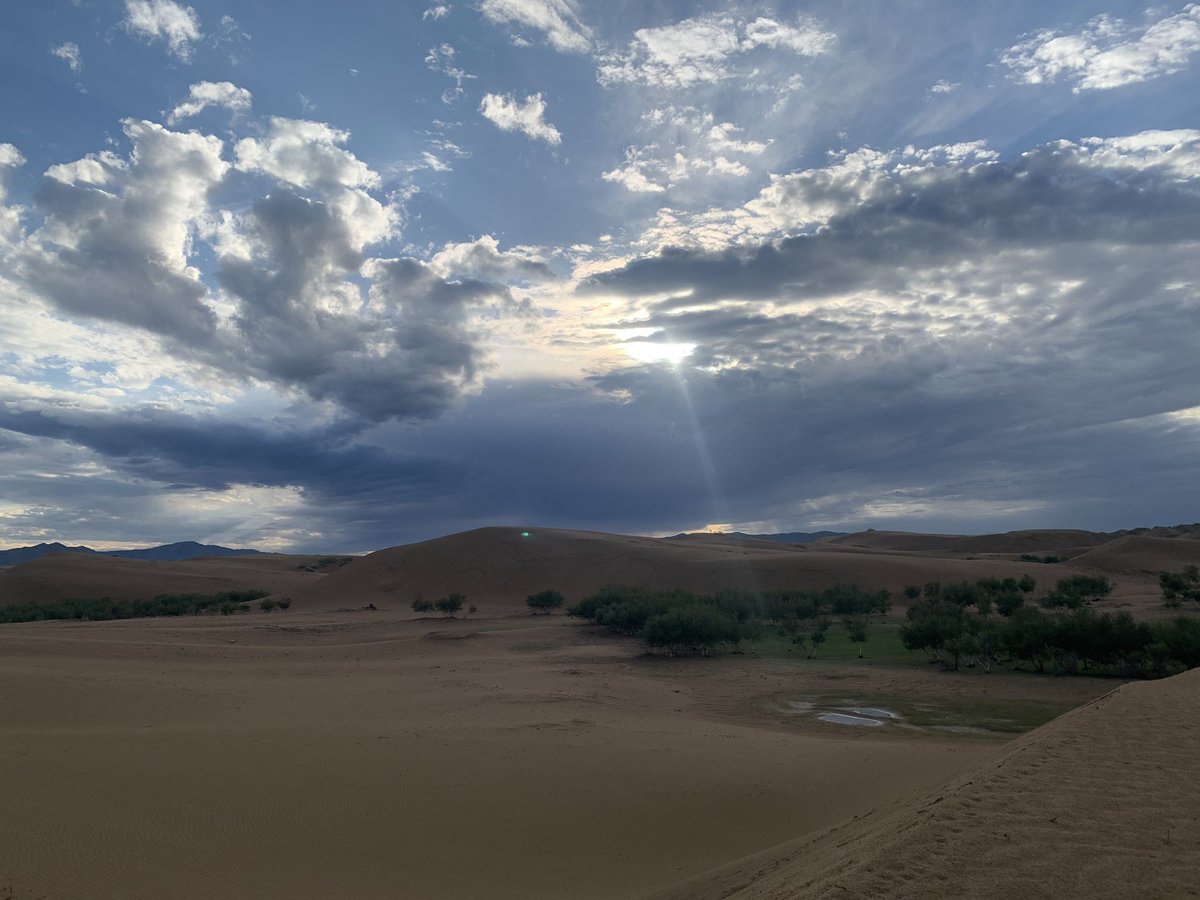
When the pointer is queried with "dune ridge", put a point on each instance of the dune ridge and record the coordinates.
(62, 576)
(1100, 803)
(501, 566)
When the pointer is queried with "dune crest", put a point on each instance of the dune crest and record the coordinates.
(1100, 803)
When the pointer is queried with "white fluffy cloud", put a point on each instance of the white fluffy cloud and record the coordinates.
(306, 154)
(556, 19)
(1107, 53)
(704, 50)
(688, 143)
(437, 11)
(526, 116)
(10, 156)
(164, 20)
(483, 259)
(69, 53)
(204, 94)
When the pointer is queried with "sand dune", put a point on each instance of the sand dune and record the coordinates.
(496, 568)
(1142, 555)
(358, 754)
(1028, 541)
(1101, 803)
(83, 576)
(501, 566)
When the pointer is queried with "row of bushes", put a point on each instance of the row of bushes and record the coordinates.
(1066, 642)
(104, 609)
(684, 622)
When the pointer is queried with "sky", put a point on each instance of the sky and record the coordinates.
(337, 277)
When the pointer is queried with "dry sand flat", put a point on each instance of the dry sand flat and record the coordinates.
(359, 755)
(1101, 803)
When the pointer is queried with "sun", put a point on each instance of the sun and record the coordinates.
(657, 351)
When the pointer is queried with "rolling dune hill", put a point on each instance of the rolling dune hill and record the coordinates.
(499, 567)
(1142, 555)
(1028, 541)
(63, 576)
(1100, 803)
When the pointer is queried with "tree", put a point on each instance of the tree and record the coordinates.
(450, 604)
(685, 629)
(1180, 586)
(818, 636)
(912, 591)
(545, 602)
(856, 630)
(420, 604)
(1077, 591)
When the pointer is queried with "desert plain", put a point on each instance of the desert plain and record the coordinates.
(350, 747)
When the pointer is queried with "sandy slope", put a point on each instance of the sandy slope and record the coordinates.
(1027, 541)
(1142, 555)
(499, 567)
(496, 568)
(362, 756)
(1101, 803)
(83, 576)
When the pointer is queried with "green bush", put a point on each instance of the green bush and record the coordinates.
(545, 601)
(450, 604)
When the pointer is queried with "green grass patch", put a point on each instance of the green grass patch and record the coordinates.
(883, 647)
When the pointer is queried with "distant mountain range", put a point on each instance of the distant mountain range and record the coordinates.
(168, 552)
(790, 537)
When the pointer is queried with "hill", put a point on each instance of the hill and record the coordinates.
(176, 551)
(1100, 803)
(1028, 541)
(501, 566)
(62, 576)
(788, 537)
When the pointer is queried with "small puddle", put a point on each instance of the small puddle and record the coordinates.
(872, 711)
(844, 719)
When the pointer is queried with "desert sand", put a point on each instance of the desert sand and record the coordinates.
(332, 751)
(1102, 803)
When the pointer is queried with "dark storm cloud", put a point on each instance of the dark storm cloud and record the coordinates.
(116, 239)
(1053, 197)
(180, 451)
(409, 351)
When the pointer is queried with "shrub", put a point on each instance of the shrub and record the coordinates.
(1180, 586)
(689, 629)
(422, 605)
(450, 604)
(545, 601)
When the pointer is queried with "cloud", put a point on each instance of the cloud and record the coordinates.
(556, 19)
(164, 20)
(483, 259)
(10, 156)
(688, 143)
(526, 116)
(204, 94)
(437, 11)
(442, 59)
(706, 50)
(117, 236)
(69, 53)
(1107, 53)
(305, 153)
(293, 301)
(944, 87)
